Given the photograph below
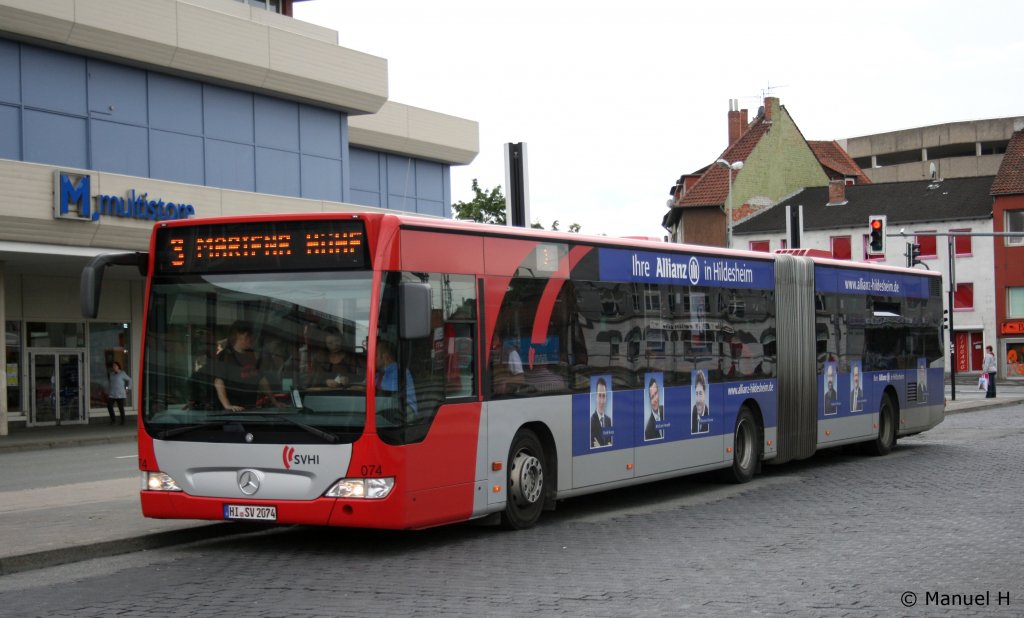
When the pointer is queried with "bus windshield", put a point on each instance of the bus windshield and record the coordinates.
(282, 355)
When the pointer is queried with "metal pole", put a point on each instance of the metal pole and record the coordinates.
(728, 214)
(952, 336)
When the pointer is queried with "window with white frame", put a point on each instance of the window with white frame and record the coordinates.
(1015, 302)
(1014, 223)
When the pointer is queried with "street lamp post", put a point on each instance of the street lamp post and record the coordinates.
(731, 167)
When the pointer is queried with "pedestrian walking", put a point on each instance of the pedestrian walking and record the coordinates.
(988, 366)
(117, 391)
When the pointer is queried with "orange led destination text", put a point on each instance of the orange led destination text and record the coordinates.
(333, 243)
(262, 245)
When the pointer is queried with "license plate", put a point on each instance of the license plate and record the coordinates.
(260, 513)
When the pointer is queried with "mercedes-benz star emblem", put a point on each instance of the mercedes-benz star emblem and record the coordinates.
(249, 481)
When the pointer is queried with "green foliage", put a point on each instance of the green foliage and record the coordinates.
(489, 207)
(574, 228)
(486, 207)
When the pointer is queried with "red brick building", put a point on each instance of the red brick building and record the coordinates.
(1008, 216)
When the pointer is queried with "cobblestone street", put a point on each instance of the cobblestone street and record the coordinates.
(840, 534)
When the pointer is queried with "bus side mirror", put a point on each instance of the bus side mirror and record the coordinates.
(92, 277)
(414, 305)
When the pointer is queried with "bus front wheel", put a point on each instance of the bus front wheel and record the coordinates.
(525, 483)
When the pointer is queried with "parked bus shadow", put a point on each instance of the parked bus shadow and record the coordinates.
(666, 494)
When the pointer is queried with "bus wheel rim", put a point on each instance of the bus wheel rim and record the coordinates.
(527, 478)
(744, 444)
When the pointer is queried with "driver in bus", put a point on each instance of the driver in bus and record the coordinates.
(237, 378)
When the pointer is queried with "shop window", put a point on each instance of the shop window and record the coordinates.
(760, 245)
(1014, 223)
(108, 342)
(841, 247)
(927, 243)
(963, 297)
(14, 372)
(962, 244)
(1015, 302)
(55, 334)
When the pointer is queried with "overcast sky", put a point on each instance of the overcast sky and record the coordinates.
(616, 99)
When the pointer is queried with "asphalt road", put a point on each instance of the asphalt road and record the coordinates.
(933, 529)
(53, 467)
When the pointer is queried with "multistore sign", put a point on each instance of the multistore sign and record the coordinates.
(74, 200)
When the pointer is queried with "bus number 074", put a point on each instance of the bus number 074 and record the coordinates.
(370, 470)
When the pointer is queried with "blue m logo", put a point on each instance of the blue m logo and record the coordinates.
(74, 194)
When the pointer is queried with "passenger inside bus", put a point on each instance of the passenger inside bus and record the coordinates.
(237, 378)
(508, 369)
(277, 365)
(201, 394)
(338, 368)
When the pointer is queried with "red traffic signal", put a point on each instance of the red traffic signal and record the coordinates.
(876, 236)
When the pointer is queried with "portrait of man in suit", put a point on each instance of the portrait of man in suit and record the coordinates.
(601, 433)
(831, 396)
(655, 411)
(701, 414)
(856, 390)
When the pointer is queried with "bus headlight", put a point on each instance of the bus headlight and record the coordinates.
(158, 481)
(371, 489)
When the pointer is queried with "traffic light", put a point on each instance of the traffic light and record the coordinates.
(876, 236)
(913, 254)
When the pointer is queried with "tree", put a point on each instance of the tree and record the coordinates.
(574, 228)
(486, 207)
(489, 207)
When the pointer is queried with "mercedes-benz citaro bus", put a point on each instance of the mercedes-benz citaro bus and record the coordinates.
(386, 371)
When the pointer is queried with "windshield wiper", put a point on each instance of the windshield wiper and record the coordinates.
(177, 431)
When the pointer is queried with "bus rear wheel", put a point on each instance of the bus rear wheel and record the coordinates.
(886, 438)
(746, 448)
(525, 483)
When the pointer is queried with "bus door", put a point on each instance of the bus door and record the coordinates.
(56, 378)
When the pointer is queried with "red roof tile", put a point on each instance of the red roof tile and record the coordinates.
(832, 156)
(713, 187)
(1010, 178)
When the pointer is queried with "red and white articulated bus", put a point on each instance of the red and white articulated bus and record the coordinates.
(386, 371)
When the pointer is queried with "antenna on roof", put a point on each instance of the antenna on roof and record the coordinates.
(768, 90)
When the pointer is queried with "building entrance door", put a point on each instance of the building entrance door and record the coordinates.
(977, 353)
(56, 378)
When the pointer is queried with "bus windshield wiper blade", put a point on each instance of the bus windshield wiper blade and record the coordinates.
(177, 431)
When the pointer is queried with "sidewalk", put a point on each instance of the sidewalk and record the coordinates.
(50, 526)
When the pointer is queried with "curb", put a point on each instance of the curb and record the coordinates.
(105, 549)
(60, 442)
(972, 406)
